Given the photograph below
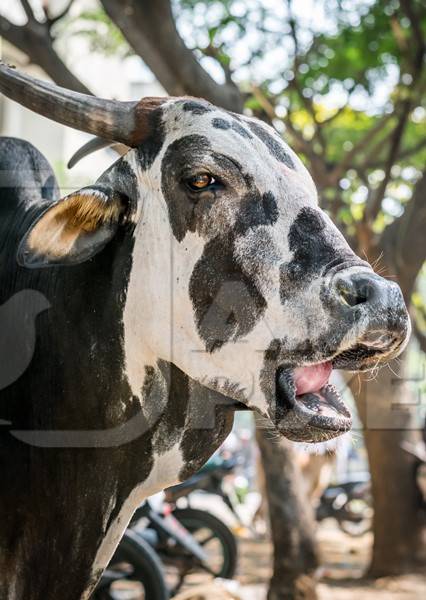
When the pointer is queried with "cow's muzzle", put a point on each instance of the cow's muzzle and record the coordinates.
(374, 311)
(371, 313)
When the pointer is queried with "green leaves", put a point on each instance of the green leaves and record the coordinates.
(344, 84)
(103, 36)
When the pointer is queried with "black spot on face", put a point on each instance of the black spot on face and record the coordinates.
(315, 246)
(182, 210)
(227, 303)
(208, 210)
(242, 131)
(256, 210)
(220, 123)
(196, 108)
(148, 151)
(275, 147)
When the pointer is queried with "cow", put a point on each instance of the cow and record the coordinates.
(197, 276)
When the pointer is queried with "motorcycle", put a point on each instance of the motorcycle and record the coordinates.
(187, 540)
(162, 546)
(350, 503)
(211, 480)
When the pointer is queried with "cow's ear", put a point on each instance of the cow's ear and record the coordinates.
(74, 229)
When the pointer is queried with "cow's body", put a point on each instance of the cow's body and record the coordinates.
(197, 275)
(58, 503)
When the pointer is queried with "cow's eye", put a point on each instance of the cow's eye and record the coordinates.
(200, 182)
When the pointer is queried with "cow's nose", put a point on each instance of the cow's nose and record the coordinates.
(369, 289)
(374, 296)
(372, 306)
(378, 299)
(361, 288)
(377, 304)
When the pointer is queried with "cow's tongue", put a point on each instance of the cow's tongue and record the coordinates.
(311, 379)
(309, 403)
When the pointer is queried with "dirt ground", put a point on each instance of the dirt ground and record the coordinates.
(344, 559)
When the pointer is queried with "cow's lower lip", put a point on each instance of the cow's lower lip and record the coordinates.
(314, 416)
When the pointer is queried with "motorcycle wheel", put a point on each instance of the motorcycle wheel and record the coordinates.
(215, 537)
(141, 570)
(356, 528)
(357, 519)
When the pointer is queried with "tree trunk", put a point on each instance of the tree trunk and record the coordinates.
(292, 523)
(386, 406)
(150, 29)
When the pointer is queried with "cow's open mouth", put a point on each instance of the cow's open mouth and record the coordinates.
(309, 408)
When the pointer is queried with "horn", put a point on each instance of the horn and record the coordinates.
(113, 120)
(92, 145)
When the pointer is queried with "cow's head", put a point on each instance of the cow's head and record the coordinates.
(238, 277)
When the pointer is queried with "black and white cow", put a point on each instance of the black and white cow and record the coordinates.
(198, 275)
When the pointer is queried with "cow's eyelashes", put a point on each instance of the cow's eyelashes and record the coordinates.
(202, 182)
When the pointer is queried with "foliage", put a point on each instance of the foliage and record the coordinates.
(103, 36)
(360, 57)
(330, 81)
(343, 81)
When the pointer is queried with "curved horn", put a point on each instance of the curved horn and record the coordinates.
(92, 145)
(124, 122)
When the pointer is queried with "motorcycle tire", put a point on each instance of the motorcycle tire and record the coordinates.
(197, 521)
(355, 528)
(139, 563)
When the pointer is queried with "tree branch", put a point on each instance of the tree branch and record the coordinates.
(402, 242)
(340, 110)
(402, 155)
(415, 20)
(359, 147)
(300, 143)
(33, 39)
(307, 102)
(373, 206)
(28, 11)
(150, 29)
(334, 116)
(214, 52)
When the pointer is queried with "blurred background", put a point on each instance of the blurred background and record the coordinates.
(344, 82)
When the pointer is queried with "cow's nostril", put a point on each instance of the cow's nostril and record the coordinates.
(352, 292)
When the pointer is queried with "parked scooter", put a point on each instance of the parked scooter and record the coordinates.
(183, 540)
(350, 503)
(188, 540)
(210, 479)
